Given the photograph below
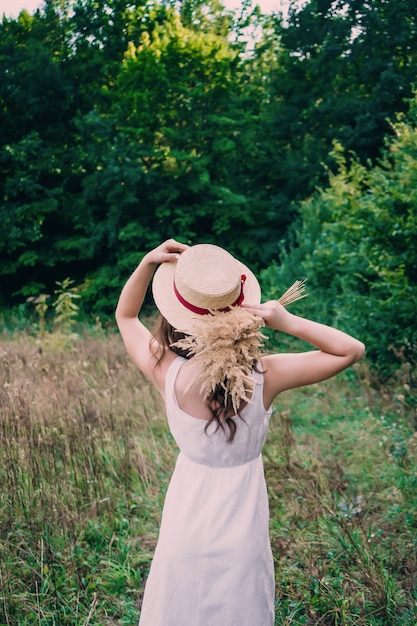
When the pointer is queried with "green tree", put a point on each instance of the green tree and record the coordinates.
(49, 86)
(344, 69)
(191, 103)
(171, 106)
(34, 93)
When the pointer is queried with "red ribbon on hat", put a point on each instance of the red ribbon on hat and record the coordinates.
(200, 311)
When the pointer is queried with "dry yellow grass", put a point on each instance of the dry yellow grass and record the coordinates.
(70, 418)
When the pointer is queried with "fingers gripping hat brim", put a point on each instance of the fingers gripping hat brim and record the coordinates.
(205, 271)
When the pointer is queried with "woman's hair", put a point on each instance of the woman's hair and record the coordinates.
(219, 403)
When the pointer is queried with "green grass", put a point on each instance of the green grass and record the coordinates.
(342, 480)
(85, 459)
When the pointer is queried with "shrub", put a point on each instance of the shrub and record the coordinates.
(356, 246)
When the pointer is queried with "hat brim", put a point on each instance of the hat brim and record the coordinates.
(176, 313)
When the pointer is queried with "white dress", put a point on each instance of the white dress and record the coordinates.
(213, 563)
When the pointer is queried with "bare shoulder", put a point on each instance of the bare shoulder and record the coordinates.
(273, 368)
(149, 356)
(159, 367)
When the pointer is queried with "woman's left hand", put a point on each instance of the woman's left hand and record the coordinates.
(273, 313)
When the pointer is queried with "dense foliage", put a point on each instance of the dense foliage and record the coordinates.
(125, 122)
(356, 244)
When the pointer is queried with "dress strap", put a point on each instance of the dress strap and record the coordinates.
(172, 372)
(258, 390)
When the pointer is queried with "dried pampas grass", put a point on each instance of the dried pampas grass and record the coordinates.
(225, 346)
(294, 293)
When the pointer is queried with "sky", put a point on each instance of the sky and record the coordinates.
(12, 8)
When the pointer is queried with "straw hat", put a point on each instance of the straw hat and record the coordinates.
(206, 278)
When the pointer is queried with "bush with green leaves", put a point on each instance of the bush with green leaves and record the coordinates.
(356, 245)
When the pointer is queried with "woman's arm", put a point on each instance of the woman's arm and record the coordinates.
(335, 351)
(135, 335)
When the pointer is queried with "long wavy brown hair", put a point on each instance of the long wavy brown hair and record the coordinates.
(220, 405)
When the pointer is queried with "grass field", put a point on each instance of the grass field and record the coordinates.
(86, 456)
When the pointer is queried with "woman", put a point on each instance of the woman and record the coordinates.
(213, 564)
